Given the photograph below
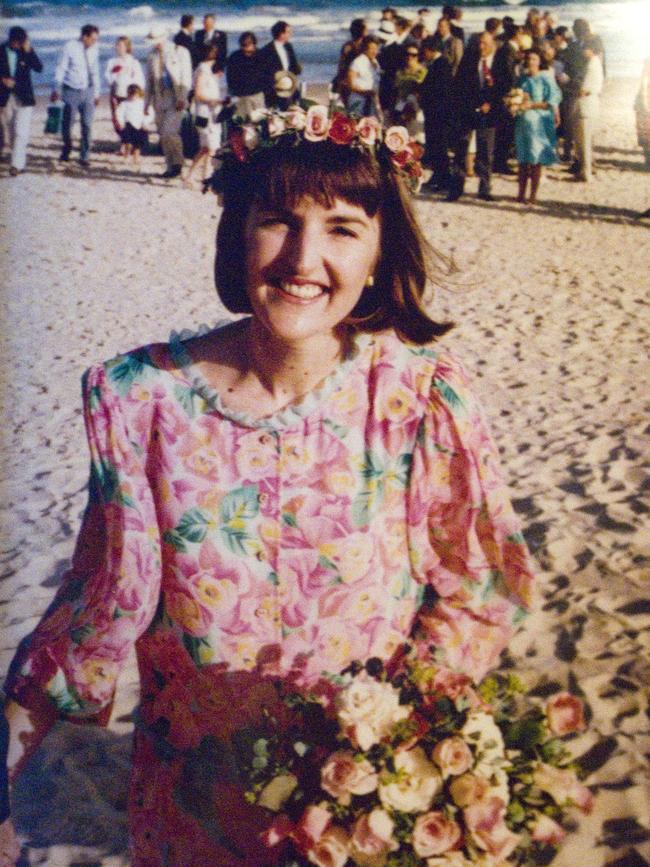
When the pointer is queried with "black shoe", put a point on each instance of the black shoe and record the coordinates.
(174, 172)
(431, 186)
(85, 164)
(453, 195)
(505, 170)
(486, 197)
(65, 157)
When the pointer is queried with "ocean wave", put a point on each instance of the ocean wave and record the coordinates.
(141, 12)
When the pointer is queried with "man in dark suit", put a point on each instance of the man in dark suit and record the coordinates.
(509, 55)
(276, 56)
(17, 61)
(480, 85)
(209, 35)
(434, 99)
(185, 38)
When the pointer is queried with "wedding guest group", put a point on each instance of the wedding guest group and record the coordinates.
(17, 62)
(448, 88)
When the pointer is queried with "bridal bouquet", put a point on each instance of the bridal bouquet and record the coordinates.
(417, 768)
(515, 100)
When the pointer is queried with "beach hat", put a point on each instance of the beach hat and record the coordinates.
(386, 31)
(284, 83)
(158, 33)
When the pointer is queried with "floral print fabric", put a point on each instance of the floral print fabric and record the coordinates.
(289, 546)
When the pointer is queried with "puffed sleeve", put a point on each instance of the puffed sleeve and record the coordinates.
(465, 542)
(552, 92)
(110, 594)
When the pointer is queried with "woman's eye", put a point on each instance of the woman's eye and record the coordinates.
(344, 232)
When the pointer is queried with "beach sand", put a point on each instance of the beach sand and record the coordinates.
(552, 312)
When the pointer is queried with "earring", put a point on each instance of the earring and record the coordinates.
(370, 282)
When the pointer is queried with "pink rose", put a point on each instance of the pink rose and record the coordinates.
(276, 124)
(296, 117)
(343, 776)
(311, 827)
(434, 833)
(547, 830)
(368, 130)
(332, 850)
(563, 786)
(372, 838)
(468, 789)
(486, 824)
(277, 831)
(396, 138)
(564, 713)
(251, 136)
(452, 756)
(316, 123)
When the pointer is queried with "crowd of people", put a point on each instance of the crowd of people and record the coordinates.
(526, 91)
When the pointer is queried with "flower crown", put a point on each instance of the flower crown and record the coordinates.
(313, 122)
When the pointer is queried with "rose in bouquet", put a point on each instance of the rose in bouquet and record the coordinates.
(417, 768)
(515, 100)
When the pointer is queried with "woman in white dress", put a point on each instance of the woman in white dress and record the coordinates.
(210, 96)
(122, 70)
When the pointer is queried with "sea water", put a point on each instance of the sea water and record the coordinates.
(320, 27)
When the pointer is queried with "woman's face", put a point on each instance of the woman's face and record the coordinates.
(121, 48)
(532, 63)
(412, 58)
(307, 266)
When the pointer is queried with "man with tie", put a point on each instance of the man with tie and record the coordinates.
(276, 56)
(480, 85)
(77, 79)
(209, 35)
(17, 62)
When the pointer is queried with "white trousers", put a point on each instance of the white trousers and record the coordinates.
(585, 127)
(16, 124)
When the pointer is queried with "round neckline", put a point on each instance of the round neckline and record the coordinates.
(283, 418)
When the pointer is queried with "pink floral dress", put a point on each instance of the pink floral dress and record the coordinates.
(231, 551)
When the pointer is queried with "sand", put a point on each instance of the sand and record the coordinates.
(551, 305)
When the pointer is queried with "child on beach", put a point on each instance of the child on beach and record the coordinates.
(131, 119)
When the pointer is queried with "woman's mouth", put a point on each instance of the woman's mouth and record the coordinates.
(302, 291)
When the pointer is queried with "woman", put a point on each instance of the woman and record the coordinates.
(277, 497)
(122, 70)
(535, 141)
(210, 96)
(407, 86)
(363, 80)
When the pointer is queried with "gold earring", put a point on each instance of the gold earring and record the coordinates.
(370, 282)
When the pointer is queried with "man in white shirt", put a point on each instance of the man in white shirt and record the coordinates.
(276, 56)
(168, 80)
(77, 79)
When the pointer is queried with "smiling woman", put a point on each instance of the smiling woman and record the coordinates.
(311, 485)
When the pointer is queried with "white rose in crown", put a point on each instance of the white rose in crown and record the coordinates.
(367, 710)
(317, 123)
(296, 118)
(251, 136)
(413, 786)
(277, 125)
(397, 138)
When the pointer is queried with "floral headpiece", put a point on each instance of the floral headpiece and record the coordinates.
(313, 122)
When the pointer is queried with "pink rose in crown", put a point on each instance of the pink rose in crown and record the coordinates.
(251, 136)
(563, 786)
(277, 125)
(368, 130)
(434, 833)
(485, 822)
(277, 831)
(332, 850)
(452, 756)
(396, 139)
(342, 129)
(316, 123)
(401, 158)
(343, 776)
(296, 118)
(372, 838)
(547, 830)
(565, 714)
(310, 828)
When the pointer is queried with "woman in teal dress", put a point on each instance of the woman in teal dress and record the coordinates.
(535, 139)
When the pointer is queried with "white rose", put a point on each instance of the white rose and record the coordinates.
(417, 782)
(449, 859)
(484, 736)
(275, 793)
(368, 709)
(277, 125)
(396, 138)
(251, 136)
(332, 850)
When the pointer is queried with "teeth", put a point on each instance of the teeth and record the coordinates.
(304, 290)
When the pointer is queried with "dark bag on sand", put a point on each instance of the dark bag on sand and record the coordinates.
(53, 120)
(189, 136)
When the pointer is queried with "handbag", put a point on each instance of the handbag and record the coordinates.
(189, 136)
(53, 119)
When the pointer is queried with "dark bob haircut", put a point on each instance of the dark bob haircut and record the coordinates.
(280, 176)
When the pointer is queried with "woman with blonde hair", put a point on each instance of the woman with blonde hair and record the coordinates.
(122, 70)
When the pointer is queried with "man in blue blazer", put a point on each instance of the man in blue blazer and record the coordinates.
(17, 61)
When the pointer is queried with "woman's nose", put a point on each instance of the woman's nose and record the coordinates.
(302, 251)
